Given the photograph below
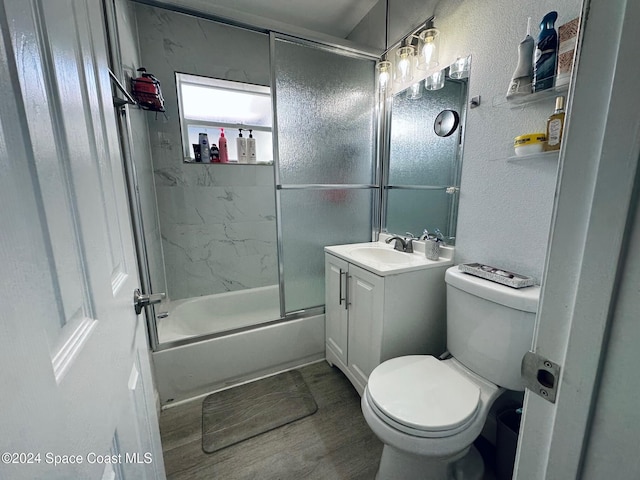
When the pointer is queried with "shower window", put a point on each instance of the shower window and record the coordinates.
(208, 104)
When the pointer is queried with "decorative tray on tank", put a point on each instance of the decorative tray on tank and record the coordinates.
(497, 275)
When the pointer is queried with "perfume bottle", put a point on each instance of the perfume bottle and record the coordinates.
(555, 126)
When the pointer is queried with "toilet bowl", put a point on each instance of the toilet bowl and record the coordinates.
(427, 425)
(427, 411)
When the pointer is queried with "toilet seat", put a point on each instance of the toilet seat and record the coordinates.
(422, 396)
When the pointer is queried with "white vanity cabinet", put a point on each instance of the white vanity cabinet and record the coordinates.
(371, 318)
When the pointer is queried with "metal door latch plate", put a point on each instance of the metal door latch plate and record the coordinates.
(541, 375)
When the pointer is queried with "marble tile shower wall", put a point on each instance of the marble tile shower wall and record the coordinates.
(218, 230)
(217, 222)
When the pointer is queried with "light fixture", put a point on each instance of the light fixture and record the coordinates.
(435, 81)
(460, 68)
(429, 47)
(384, 69)
(414, 92)
(418, 50)
(404, 64)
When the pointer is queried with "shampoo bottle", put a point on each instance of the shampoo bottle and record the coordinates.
(546, 57)
(555, 126)
(222, 147)
(203, 139)
(523, 76)
(251, 148)
(241, 143)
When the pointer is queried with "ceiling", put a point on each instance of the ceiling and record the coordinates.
(332, 17)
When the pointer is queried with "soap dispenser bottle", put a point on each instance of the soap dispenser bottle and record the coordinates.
(546, 56)
(241, 143)
(222, 147)
(523, 76)
(251, 147)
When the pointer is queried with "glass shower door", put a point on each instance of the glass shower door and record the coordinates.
(324, 104)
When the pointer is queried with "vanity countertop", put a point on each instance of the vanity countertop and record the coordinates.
(381, 258)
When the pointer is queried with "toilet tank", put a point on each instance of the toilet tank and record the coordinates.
(490, 326)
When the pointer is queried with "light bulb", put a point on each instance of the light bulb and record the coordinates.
(384, 79)
(430, 45)
(404, 68)
(427, 50)
(384, 75)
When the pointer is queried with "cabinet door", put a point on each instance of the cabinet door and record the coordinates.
(366, 298)
(336, 306)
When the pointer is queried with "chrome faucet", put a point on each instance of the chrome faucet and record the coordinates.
(402, 245)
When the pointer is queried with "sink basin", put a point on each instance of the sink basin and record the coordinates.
(381, 255)
(381, 259)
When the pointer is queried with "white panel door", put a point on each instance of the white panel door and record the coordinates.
(74, 372)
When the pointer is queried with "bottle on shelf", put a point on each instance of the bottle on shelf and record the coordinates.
(555, 126)
(203, 140)
(215, 153)
(546, 55)
(222, 147)
(242, 148)
(251, 148)
(523, 76)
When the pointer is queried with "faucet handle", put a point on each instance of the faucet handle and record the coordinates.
(440, 237)
(410, 235)
(409, 246)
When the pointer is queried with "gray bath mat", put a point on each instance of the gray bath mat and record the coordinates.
(239, 413)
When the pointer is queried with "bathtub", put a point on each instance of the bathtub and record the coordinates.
(218, 313)
(263, 346)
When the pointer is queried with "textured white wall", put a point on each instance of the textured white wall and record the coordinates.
(505, 207)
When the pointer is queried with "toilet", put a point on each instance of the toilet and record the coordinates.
(428, 411)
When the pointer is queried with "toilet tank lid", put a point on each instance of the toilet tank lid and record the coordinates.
(524, 299)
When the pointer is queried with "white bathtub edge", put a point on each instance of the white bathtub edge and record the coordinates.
(190, 371)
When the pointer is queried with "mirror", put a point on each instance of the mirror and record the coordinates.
(424, 158)
(446, 123)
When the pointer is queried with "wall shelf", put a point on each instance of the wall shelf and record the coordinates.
(553, 155)
(521, 102)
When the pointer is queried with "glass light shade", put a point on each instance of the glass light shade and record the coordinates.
(435, 81)
(460, 68)
(429, 49)
(414, 92)
(404, 64)
(385, 69)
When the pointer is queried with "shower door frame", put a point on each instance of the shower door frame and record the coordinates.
(135, 208)
(279, 187)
